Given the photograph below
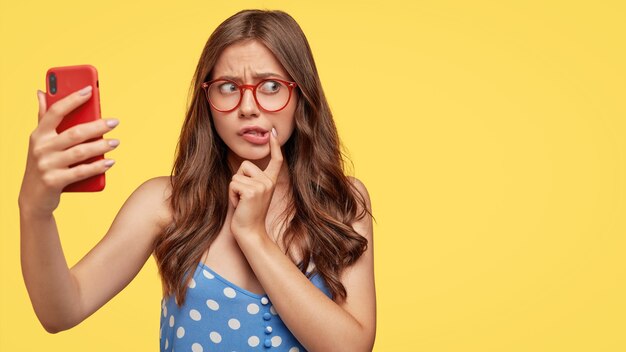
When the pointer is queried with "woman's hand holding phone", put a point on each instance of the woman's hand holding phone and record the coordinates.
(50, 153)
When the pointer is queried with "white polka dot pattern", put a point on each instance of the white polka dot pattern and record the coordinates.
(195, 315)
(215, 337)
(230, 292)
(207, 274)
(253, 308)
(234, 324)
(213, 305)
(253, 341)
(276, 341)
(219, 315)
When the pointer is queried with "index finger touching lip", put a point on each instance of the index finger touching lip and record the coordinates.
(273, 168)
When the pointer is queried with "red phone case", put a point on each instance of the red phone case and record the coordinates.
(68, 80)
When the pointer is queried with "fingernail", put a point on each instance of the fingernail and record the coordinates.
(85, 90)
(39, 92)
(112, 122)
(109, 162)
(274, 132)
(114, 142)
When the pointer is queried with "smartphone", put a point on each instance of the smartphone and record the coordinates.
(62, 81)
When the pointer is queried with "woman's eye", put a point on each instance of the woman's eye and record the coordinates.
(227, 88)
(270, 87)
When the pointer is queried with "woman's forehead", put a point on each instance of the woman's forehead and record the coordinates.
(249, 59)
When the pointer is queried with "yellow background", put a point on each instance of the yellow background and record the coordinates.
(490, 135)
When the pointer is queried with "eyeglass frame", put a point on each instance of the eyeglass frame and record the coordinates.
(252, 87)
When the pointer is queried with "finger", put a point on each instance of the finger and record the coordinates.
(231, 206)
(245, 180)
(233, 200)
(63, 177)
(82, 152)
(252, 175)
(273, 168)
(246, 189)
(248, 168)
(83, 132)
(51, 119)
(41, 97)
(234, 192)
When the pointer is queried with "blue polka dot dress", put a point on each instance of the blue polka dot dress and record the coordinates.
(220, 316)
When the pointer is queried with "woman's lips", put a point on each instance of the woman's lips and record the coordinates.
(257, 138)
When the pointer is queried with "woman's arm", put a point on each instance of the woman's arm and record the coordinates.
(319, 323)
(64, 297)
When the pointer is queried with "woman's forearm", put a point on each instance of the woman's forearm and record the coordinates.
(318, 323)
(50, 284)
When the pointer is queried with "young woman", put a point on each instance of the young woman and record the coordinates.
(262, 242)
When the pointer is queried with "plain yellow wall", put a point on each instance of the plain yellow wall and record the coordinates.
(490, 135)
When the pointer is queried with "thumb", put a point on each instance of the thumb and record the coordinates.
(233, 197)
(231, 206)
(41, 96)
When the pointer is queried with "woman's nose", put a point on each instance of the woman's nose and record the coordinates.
(248, 105)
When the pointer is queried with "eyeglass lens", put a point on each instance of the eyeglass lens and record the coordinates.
(271, 95)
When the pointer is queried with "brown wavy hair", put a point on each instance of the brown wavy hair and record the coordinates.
(324, 201)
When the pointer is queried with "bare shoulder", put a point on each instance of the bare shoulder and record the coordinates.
(363, 222)
(360, 187)
(363, 194)
(155, 194)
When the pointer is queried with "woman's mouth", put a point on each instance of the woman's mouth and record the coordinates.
(256, 137)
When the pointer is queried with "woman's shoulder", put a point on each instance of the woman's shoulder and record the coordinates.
(360, 187)
(356, 182)
(363, 222)
(162, 183)
(155, 194)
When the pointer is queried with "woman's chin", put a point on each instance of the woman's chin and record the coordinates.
(253, 154)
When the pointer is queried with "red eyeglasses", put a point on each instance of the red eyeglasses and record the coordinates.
(271, 95)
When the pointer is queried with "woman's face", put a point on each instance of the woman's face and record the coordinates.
(244, 63)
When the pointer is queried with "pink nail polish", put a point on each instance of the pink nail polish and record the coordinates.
(85, 90)
(112, 122)
(274, 132)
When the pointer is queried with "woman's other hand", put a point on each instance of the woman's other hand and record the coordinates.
(250, 192)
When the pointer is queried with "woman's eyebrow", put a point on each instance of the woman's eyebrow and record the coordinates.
(256, 75)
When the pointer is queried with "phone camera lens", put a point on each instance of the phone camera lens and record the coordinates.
(53, 83)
